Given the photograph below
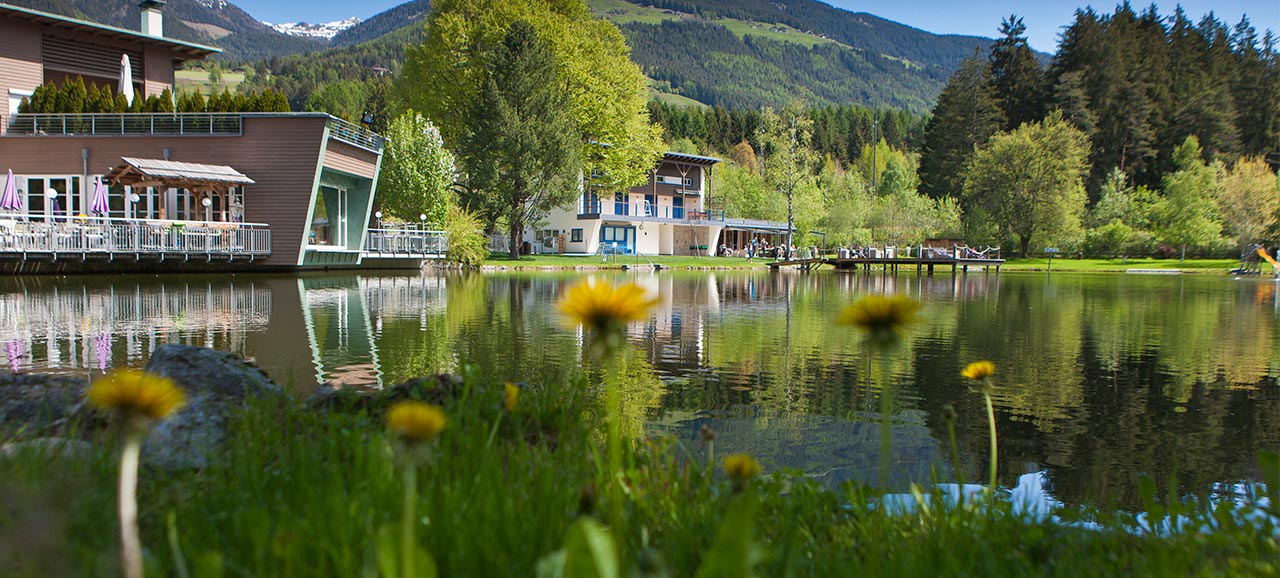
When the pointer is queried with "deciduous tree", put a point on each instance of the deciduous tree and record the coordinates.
(416, 171)
(1030, 182)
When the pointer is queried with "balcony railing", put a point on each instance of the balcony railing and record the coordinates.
(645, 211)
(132, 237)
(411, 242)
(114, 124)
(355, 134)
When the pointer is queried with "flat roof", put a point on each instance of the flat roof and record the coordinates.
(194, 51)
(688, 158)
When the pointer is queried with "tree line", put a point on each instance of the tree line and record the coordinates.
(1168, 119)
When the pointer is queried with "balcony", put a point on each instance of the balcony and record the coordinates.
(408, 242)
(110, 238)
(118, 124)
(643, 211)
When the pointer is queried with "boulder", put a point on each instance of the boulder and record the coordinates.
(33, 404)
(215, 382)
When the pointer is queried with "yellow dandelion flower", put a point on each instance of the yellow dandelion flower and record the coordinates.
(741, 467)
(137, 393)
(510, 396)
(883, 318)
(415, 421)
(603, 307)
(979, 370)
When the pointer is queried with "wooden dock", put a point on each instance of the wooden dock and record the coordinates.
(890, 264)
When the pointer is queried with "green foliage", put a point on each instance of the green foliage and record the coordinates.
(788, 163)
(604, 91)
(416, 171)
(468, 243)
(1030, 181)
(1186, 215)
(966, 116)
(73, 97)
(1017, 80)
(1250, 201)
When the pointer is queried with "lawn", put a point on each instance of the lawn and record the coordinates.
(1220, 266)
(530, 487)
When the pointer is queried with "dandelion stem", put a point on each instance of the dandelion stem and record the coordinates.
(991, 424)
(130, 544)
(407, 541)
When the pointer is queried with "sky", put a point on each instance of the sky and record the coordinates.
(1044, 18)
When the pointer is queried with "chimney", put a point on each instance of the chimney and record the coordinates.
(152, 19)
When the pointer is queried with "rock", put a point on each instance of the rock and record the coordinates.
(33, 404)
(215, 382)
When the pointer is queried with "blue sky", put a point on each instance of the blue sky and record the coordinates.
(1044, 18)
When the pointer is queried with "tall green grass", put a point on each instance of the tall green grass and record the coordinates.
(301, 493)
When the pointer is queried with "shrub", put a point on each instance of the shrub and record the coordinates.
(468, 244)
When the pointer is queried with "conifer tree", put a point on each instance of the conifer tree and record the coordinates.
(965, 117)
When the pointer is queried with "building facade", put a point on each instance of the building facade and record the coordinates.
(668, 215)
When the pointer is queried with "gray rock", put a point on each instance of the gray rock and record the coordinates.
(33, 404)
(215, 382)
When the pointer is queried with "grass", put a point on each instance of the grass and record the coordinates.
(300, 492)
(198, 80)
(1221, 266)
(620, 12)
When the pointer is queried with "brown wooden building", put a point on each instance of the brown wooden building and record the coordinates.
(313, 176)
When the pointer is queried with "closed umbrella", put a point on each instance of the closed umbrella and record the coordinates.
(9, 201)
(126, 78)
(98, 204)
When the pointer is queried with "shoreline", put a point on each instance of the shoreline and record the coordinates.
(556, 263)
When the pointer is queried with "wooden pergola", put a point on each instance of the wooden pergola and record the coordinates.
(202, 181)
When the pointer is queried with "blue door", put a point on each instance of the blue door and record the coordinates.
(677, 207)
(620, 204)
(615, 239)
(651, 206)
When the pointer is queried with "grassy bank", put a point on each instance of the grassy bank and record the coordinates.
(1213, 266)
(1219, 266)
(300, 492)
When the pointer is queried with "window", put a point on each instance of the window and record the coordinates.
(575, 236)
(329, 217)
(688, 182)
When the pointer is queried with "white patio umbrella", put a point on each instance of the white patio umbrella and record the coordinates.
(126, 78)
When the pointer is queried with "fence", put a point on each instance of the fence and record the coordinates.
(103, 236)
(407, 241)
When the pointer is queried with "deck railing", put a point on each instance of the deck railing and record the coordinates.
(130, 123)
(132, 237)
(406, 242)
(355, 134)
(643, 210)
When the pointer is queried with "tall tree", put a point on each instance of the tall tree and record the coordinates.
(1187, 213)
(965, 117)
(522, 150)
(416, 171)
(789, 161)
(605, 93)
(1030, 182)
(1016, 75)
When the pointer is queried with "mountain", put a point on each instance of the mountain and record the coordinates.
(750, 53)
(214, 22)
(408, 14)
(322, 31)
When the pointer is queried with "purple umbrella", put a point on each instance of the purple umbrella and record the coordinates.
(98, 204)
(10, 201)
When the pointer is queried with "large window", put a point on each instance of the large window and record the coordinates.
(575, 236)
(329, 218)
(53, 197)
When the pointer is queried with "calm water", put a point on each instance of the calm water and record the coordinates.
(1100, 377)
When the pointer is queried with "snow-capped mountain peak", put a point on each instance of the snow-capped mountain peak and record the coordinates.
(325, 31)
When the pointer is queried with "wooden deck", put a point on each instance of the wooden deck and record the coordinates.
(890, 264)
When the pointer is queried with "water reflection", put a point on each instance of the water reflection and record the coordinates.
(1100, 377)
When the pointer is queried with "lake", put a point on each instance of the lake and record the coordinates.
(1100, 376)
